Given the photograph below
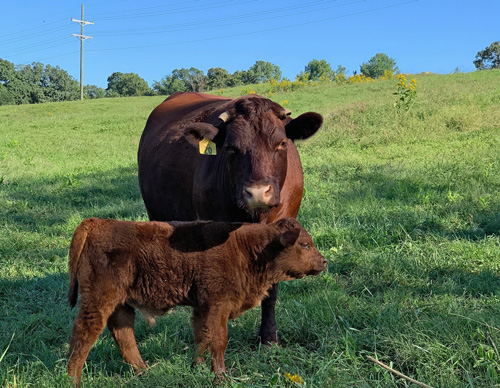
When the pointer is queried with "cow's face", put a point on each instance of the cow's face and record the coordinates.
(253, 138)
(256, 157)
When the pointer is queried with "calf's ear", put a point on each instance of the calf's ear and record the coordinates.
(304, 126)
(288, 238)
(196, 132)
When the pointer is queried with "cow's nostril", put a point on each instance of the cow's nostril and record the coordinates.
(259, 195)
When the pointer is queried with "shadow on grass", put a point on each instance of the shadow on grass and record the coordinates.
(38, 217)
(36, 322)
(35, 211)
(52, 201)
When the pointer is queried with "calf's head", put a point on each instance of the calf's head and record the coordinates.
(253, 138)
(298, 256)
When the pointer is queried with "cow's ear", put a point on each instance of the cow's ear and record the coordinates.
(196, 132)
(304, 126)
(288, 238)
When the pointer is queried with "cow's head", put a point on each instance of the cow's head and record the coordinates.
(253, 137)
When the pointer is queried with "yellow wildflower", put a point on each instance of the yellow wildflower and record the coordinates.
(295, 378)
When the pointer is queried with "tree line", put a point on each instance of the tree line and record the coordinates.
(36, 83)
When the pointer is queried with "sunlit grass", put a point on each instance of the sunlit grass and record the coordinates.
(405, 205)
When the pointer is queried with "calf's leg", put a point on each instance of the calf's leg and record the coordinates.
(89, 323)
(218, 345)
(268, 329)
(200, 336)
(121, 326)
(210, 331)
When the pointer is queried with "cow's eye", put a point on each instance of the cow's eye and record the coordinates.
(282, 145)
(231, 149)
(306, 246)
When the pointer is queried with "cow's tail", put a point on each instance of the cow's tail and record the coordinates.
(75, 252)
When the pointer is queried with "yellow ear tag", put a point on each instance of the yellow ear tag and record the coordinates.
(207, 147)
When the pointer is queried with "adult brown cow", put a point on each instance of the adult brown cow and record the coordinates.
(249, 172)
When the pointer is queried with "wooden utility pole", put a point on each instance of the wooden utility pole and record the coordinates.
(82, 38)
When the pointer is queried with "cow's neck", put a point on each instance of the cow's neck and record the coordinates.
(214, 198)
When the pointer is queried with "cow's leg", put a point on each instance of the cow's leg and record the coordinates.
(121, 326)
(268, 328)
(89, 323)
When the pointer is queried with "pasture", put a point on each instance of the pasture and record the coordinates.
(405, 206)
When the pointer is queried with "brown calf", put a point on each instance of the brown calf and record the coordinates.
(220, 269)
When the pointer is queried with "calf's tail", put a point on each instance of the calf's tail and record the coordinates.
(75, 252)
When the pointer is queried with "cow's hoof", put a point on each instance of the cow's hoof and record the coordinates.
(270, 341)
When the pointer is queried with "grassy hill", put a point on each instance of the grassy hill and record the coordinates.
(405, 205)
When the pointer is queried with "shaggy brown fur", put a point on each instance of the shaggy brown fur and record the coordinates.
(256, 175)
(220, 269)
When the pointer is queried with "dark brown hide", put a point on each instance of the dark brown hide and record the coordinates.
(220, 269)
(256, 175)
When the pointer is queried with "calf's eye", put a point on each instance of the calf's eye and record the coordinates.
(305, 246)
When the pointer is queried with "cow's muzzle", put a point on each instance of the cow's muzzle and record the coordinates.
(260, 197)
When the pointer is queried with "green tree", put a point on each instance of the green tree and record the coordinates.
(58, 85)
(236, 78)
(376, 66)
(169, 85)
(263, 71)
(181, 80)
(316, 69)
(6, 98)
(339, 75)
(93, 91)
(7, 73)
(35, 83)
(196, 80)
(31, 76)
(489, 58)
(127, 84)
(217, 78)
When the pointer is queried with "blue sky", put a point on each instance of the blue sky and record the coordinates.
(153, 37)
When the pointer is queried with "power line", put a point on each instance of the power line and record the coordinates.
(228, 21)
(134, 11)
(35, 47)
(256, 32)
(134, 14)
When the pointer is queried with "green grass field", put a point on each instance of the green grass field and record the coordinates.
(406, 207)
